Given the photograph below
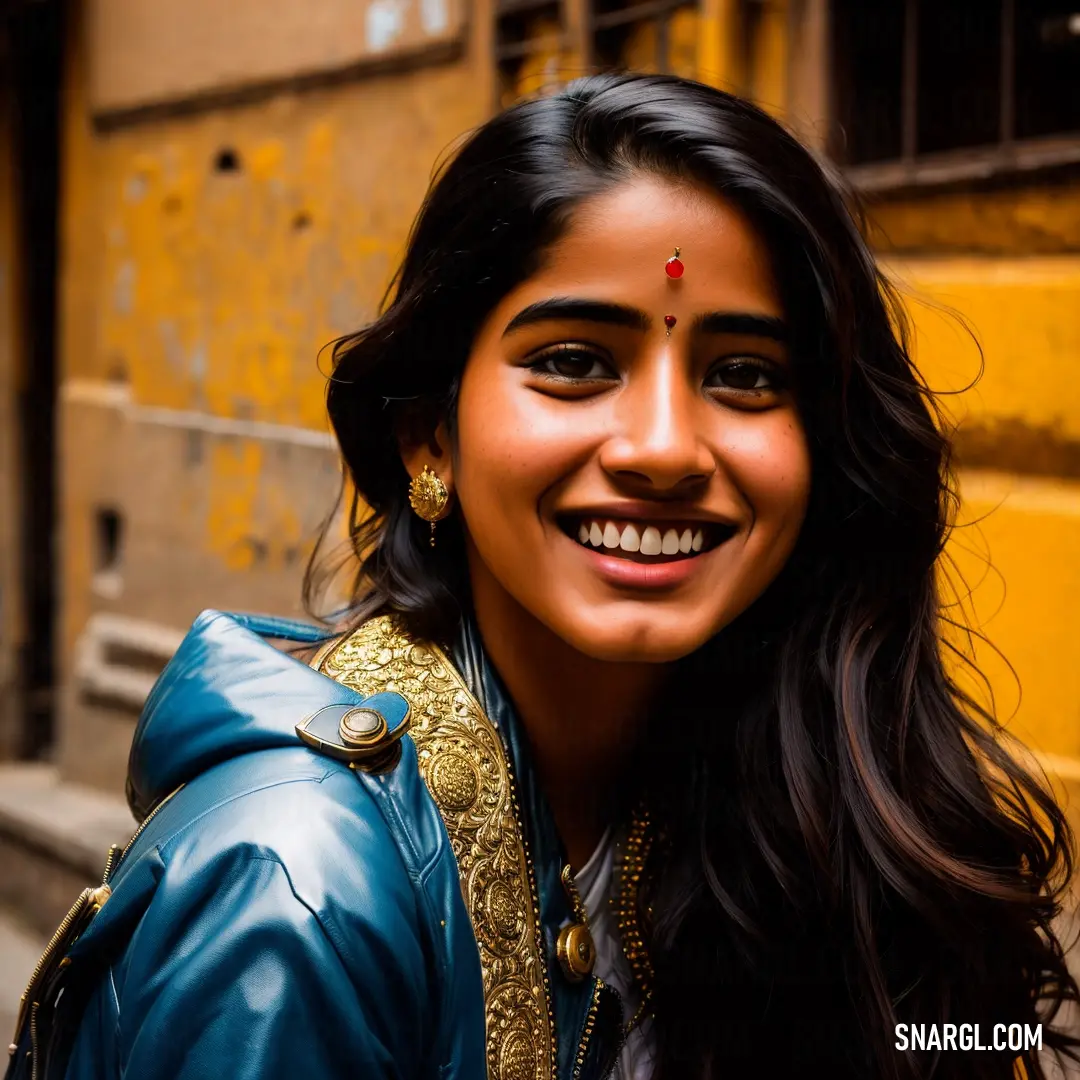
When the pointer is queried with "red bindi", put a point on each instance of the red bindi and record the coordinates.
(674, 267)
(670, 321)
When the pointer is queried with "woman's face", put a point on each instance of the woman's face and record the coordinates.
(631, 489)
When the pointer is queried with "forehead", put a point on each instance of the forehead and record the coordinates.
(622, 238)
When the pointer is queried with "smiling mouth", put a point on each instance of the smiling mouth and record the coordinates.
(640, 541)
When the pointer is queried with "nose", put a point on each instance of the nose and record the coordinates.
(657, 442)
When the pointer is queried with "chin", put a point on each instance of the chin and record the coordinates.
(633, 641)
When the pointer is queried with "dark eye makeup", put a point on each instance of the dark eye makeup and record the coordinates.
(572, 362)
(752, 374)
(578, 364)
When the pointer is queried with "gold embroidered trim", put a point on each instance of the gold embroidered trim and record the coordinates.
(629, 870)
(465, 767)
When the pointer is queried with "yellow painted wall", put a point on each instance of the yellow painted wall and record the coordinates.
(1017, 545)
(768, 74)
(194, 303)
(1016, 548)
(1024, 312)
(1038, 217)
(214, 291)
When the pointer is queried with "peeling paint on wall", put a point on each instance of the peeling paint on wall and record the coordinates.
(235, 245)
(434, 16)
(384, 23)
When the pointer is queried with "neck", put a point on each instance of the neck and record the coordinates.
(584, 718)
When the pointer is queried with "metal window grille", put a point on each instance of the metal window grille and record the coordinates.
(933, 90)
(611, 21)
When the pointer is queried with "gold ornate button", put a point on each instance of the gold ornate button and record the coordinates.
(576, 951)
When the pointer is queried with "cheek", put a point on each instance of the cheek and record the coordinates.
(492, 440)
(770, 463)
(513, 443)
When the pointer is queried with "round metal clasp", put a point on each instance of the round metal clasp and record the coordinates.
(576, 951)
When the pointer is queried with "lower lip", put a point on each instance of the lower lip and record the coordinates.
(638, 575)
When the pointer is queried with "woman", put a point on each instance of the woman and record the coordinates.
(656, 498)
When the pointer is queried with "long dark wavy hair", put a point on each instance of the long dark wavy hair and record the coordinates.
(845, 841)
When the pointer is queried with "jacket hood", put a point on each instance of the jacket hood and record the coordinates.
(225, 692)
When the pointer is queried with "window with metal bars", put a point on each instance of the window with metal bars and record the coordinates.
(642, 36)
(530, 36)
(536, 47)
(928, 90)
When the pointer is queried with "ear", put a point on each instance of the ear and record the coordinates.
(432, 450)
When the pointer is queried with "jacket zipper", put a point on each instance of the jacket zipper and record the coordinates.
(26, 1002)
(590, 1023)
(110, 862)
(33, 1042)
(96, 898)
(586, 1034)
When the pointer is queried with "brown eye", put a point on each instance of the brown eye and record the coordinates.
(572, 363)
(743, 374)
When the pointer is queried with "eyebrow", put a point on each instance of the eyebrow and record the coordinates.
(732, 322)
(568, 307)
(598, 311)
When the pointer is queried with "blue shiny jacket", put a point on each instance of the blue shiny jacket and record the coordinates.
(283, 915)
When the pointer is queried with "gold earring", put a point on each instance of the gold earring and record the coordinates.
(428, 497)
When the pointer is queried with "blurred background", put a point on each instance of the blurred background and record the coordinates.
(195, 198)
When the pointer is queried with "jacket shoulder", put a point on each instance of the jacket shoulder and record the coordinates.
(310, 814)
(270, 915)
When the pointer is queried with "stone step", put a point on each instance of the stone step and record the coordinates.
(54, 839)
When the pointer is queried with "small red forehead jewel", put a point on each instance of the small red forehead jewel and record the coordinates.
(674, 269)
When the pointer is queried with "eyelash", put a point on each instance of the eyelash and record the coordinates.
(538, 364)
(773, 373)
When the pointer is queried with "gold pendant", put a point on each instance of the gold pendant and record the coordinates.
(575, 947)
(576, 951)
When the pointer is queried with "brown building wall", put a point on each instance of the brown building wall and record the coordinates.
(145, 53)
(211, 250)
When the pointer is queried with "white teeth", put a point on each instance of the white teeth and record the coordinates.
(650, 541)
